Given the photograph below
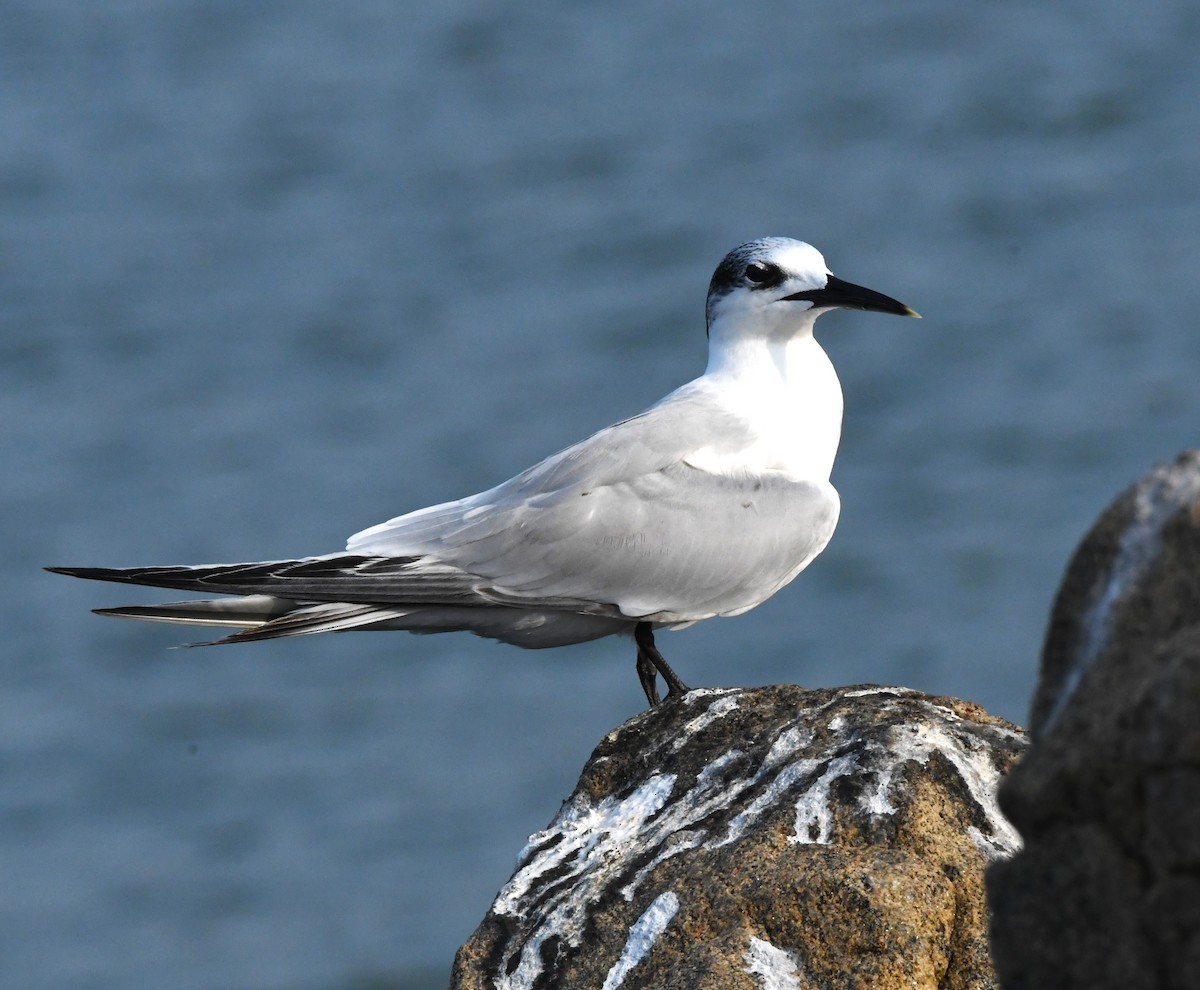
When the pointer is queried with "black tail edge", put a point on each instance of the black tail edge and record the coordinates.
(123, 575)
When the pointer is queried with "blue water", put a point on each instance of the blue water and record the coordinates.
(272, 272)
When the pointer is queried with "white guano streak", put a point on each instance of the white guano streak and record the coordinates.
(642, 935)
(775, 968)
(919, 741)
(588, 833)
(592, 841)
(1139, 546)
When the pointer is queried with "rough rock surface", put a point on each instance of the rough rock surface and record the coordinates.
(764, 838)
(1107, 891)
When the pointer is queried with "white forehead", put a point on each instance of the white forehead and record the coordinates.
(794, 257)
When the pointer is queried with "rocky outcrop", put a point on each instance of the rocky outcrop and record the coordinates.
(764, 838)
(1107, 891)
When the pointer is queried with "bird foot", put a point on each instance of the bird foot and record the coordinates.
(650, 662)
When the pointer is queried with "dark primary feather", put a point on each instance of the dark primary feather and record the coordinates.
(340, 578)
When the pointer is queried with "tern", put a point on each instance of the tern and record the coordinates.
(704, 505)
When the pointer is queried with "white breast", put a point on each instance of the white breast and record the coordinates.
(789, 396)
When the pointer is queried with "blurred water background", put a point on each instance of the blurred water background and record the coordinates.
(272, 272)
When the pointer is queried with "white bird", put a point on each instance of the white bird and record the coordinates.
(704, 505)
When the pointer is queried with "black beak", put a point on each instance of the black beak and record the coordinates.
(847, 295)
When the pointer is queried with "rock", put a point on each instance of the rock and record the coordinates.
(764, 838)
(1107, 890)
(1133, 582)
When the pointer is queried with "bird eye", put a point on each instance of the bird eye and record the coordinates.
(761, 274)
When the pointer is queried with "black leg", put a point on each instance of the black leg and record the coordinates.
(648, 676)
(650, 660)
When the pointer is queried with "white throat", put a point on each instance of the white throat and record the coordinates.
(782, 384)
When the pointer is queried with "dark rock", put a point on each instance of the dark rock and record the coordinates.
(1107, 891)
(771, 837)
(1133, 583)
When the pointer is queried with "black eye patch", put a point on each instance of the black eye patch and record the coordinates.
(762, 275)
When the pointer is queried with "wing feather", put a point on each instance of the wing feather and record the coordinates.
(622, 520)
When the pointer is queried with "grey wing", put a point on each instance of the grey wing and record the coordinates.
(660, 437)
(619, 523)
(675, 546)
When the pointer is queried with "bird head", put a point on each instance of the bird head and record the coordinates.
(776, 285)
